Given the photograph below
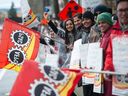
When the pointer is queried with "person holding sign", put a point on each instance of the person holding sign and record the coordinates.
(104, 21)
(95, 33)
(117, 51)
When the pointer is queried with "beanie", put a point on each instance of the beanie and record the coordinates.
(105, 17)
(89, 15)
(100, 9)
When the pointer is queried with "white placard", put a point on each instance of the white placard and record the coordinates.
(95, 56)
(98, 84)
(120, 85)
(91, 58)
(75, 56)
(84, 54)
(120, 54)
(120, 62)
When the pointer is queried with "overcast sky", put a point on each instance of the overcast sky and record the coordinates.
(7, 3)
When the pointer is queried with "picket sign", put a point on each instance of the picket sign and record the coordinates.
(120, 61)
(75, 55)
(91, 58)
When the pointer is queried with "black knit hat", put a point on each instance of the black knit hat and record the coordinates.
(100, 9)
(89, 15)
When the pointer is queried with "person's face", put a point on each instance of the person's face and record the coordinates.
(87, 22)
(103, 26)
(77, 21)
(122, 12)
(69, 25)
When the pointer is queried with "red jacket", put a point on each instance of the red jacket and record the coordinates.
(116, 31)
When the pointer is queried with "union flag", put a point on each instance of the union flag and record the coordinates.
(37, 79)
(18, 43)
(70, 10)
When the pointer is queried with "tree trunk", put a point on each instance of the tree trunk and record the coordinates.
(37, 6)
(65, 2)
(56, 8)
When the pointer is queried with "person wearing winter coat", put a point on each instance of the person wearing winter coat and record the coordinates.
(120, 29)
(95, 33)
(104, 22)
(88, 22)
(77, 19)
(68, 35)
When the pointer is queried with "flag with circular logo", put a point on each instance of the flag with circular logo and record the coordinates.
(36, 79)
(18, 43)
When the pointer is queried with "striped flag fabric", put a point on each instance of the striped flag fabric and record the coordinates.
(18, 43)
(28, 17)
(37, 79)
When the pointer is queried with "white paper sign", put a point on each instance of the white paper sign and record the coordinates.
(91, 58)
(84, 54)
(120, 54)
(75, 56)
(120, 61)
(120, 85)
(98, 84)
(94, 58)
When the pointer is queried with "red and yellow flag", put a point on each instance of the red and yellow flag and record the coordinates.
(43, 80)
(18, 43)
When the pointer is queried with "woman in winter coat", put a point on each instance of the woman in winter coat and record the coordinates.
(88, 22)
(67, 34)
(70, 33)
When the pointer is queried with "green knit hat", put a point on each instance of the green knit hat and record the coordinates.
(105, 17)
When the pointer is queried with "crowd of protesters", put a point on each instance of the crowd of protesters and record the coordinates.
(97, 26)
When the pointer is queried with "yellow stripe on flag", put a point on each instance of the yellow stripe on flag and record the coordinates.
(63, 89)
(29, 21)
(13, 67)
(29, 50)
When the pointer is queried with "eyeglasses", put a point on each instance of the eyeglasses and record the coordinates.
(123, 10)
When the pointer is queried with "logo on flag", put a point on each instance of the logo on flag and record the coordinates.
(41, 88)
(34, 82)
(55, 75)
(18, 44)
(16, 56)
(20, 38)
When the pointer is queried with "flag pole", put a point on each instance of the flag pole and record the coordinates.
(55, 40)
(51, 47)
(103, 72)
